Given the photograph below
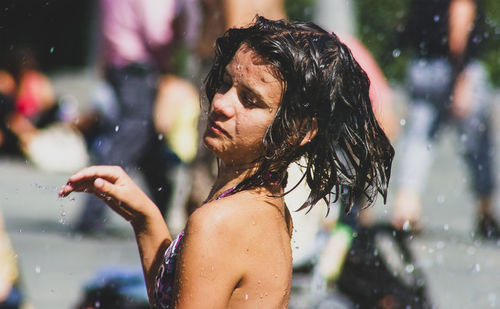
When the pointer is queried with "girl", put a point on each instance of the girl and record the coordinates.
(278, 91)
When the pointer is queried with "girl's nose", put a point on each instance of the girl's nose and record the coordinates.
(223, 103)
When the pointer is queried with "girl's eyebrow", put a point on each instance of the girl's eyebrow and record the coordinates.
(249, 89)
(254, 93)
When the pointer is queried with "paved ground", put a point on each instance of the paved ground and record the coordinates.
(462, 272)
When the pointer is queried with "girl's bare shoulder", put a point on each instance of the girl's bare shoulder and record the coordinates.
(241, 214)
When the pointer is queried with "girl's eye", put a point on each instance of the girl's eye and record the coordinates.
(248, 100)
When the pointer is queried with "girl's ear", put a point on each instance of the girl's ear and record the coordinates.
(311, 133)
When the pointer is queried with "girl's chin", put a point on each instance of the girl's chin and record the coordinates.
(226, 155)
(215, 148)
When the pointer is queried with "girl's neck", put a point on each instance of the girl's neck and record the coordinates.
(228, 177)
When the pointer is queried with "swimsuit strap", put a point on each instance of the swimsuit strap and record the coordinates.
(268, 178)
(227, 192)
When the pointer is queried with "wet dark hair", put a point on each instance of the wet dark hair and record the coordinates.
(323, 85)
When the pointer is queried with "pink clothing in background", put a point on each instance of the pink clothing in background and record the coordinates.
(136, 31)
(380, 91)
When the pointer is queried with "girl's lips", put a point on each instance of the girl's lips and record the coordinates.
(216, 128)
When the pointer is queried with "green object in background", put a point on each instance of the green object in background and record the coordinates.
(333, 255)
(300, 9)
(380, 23)
(331, 258)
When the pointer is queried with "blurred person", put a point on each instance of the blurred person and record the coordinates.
(447, 85)
(277, 91)
(27, 98)
(220, 15)
(138, 40)
(34, 123)
(176, 113)
(176, 116)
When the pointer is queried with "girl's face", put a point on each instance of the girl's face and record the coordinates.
(242, 109)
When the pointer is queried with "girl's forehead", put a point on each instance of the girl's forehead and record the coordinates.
(247, 54)
(247, 61)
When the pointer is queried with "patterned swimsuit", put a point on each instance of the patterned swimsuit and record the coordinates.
(164, 283)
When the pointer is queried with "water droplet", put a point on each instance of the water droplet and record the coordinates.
(396, 53)
(410, 268)
(406, 225)
(476, 268)
(117, 128)
(52, 49)
(402, 122)
(246, 296)
(436, 18)
(62, 219)
(160, 137)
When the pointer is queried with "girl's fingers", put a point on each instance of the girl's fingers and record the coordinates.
(80, 186)
(84, 180)
(112, 185)
(65, 190)
(105, 188)
(94, 179)
(111, 173)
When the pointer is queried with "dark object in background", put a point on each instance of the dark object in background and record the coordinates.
(370, 282)
(60, 32)
(115, 287)
(14, 299)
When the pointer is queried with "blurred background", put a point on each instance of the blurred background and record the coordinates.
(57, 102)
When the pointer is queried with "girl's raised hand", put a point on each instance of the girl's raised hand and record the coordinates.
(115, 187)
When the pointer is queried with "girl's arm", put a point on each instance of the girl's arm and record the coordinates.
(121, 194)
